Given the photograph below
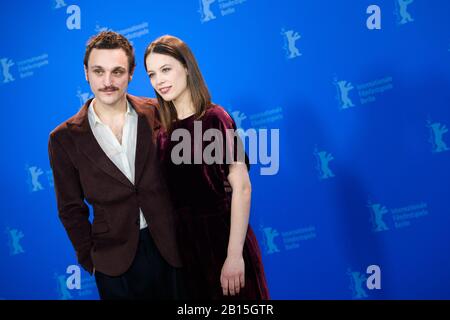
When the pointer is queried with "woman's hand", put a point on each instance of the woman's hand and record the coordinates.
(232, 277)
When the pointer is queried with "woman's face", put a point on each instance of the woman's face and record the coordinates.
(167, 76)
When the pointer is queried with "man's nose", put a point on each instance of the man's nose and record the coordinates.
(107, 80)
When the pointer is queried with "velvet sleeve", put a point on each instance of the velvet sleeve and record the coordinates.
(233, 147)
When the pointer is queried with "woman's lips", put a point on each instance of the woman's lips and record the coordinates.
(164, 90)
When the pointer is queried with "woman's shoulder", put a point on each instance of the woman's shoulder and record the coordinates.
(217, 114)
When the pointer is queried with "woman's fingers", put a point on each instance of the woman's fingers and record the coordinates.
(237, 285)
(224, 283)
(242, 280)
(232, 286)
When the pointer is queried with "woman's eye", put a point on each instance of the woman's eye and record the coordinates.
(166, 69)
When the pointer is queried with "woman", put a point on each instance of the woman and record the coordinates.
(219, 248)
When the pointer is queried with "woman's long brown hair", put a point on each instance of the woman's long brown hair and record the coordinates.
(178, 49)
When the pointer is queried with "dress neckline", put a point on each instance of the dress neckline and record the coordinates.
(188, 117)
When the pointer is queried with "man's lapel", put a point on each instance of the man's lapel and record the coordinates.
(143, 144)
(145, 133)
(85, 140)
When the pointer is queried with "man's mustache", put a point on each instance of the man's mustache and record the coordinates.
(109, 89)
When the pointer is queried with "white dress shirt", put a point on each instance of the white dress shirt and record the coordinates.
(122, 155)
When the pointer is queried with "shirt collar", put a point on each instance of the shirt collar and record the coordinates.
(94, 118)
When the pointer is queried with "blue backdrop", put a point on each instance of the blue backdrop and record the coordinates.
(359, 206)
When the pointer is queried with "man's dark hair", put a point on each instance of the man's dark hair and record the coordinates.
(110, 40)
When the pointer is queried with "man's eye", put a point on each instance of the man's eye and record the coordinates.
(118, 72)
(98, 71)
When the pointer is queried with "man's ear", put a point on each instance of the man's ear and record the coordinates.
(86, 74)
(131, 75)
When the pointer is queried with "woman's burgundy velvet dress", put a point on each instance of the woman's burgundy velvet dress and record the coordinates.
(202, 198)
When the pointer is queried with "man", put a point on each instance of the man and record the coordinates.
(106, 155)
